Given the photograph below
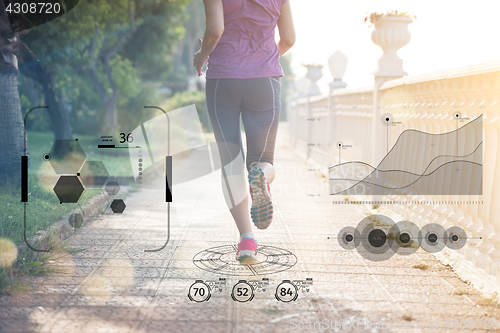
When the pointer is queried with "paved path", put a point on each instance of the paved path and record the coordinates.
(114, 286)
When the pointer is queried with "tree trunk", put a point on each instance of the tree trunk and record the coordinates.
(11, 119)
(58, 115)
(111, 114)
(11, 131)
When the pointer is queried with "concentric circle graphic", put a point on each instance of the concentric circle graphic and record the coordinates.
(222, 260)
(405, 235)
(456, 238)
(432, 238)
(387, 119)
(349, 238)
(376, 242)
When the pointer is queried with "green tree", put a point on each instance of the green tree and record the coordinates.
(109, 45)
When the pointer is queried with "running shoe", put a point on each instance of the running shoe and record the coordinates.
(262, 207)
(247, 249)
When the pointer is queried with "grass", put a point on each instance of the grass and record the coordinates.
(409, 244)
(466, 292)
(43, 207)
(478, 298)
(407, 316)
(31, 263)
(377, 220)
(492, 300)
(43, 263)
(421, 266)
(395, 237)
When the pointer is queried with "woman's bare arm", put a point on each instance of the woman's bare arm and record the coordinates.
(214, 14)
(286, 28)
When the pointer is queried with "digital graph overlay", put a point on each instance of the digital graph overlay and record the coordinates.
(419, 163)
(222, 260)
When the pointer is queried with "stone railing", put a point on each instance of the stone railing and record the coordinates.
(316, 131)
(424, 103)
(428, 103)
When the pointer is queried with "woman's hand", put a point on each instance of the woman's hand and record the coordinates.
(199, 59)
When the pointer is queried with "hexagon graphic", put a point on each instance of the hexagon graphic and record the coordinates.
(93, 174)
(112, 187)
(66, 156)
(118, 206)
(68, 189)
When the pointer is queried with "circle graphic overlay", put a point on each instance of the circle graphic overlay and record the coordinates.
(456, 238)
(199, 292)
(242, 292)
(349, 238)
(375, 244)
(432, 238)
(222, 260)
(405, 237)
(387, 119)
(377, 238)
(286, 292)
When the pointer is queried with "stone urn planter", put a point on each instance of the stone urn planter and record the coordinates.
(391, 33)
(337, 64)
(314, 74)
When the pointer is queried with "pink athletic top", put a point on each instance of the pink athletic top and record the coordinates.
(247, 48)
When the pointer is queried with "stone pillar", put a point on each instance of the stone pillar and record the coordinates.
(314, 74)
(337, 64)
(391, 34)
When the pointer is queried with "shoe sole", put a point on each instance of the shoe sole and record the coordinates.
(262, 206)
(246, 254)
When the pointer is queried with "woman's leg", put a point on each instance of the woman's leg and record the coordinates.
(223, 102)
(260, 114)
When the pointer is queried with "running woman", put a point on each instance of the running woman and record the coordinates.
(243, 80)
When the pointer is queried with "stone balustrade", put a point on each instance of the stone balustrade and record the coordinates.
(425, 103)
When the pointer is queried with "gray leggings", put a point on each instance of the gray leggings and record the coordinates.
(258, 101)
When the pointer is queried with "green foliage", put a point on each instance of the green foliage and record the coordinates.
(35, 263)
(150, 48)
(64, 47)
(42, 210)
(373, 17)
(125, 75)
(43, 207)
(4, 280)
